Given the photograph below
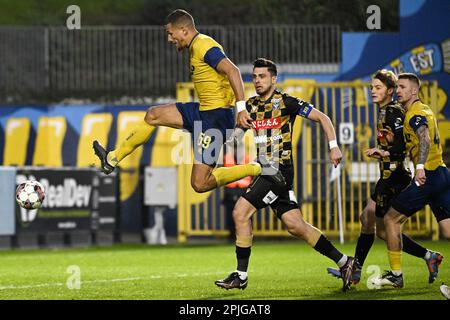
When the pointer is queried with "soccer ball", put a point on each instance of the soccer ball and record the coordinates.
(30, 195)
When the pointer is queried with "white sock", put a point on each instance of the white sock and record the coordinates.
(242, 274)
(427, 255)
(397, 272)
(342, 261)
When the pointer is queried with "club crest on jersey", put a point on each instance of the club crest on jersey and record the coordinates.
(275, 103)
(272, 123)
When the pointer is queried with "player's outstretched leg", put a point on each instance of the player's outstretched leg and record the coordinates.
(364, 244)
(109, 160)
(165, 115)
(298, 227)
(102, 154)
(225, 175)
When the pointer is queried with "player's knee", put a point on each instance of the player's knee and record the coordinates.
(388, 219)
(295, 227)
(239, 216)
(297, 231)
(367, 224)
(393, 217)
(292, 228)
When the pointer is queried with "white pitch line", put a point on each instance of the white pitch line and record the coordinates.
(60, 284)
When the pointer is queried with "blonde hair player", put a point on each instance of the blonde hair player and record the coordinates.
(431, 183)
(394, 177)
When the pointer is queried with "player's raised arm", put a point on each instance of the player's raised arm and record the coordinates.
(302, 108)
(327, 126)
(233, 73)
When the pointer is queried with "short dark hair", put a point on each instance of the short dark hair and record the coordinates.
(387, 77)
(411, 77)
(266, 63)
(180, 17)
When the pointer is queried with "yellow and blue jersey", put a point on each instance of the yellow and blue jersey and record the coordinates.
(436, 190)
(419, 114)
(213, 89)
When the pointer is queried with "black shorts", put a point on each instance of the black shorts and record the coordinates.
(387, 189)
(210, 129)
(262, 193)
(435, 192)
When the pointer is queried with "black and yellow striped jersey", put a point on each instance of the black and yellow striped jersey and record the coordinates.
(273, 121)
(390, 117)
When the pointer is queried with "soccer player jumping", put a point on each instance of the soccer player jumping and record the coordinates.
(218, 84)
(273, 114)
(431, 183)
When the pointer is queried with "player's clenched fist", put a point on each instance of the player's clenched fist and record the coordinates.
(335, 156)
(244, 120)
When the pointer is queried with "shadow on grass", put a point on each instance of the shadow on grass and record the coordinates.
(379, 294)
(332, 294)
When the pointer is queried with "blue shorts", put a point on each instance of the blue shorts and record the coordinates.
(208, 129)
(435, 192)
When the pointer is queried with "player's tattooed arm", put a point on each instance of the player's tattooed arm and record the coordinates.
(424, 147)
(424, 143)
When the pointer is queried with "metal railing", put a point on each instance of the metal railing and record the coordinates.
(138, 61)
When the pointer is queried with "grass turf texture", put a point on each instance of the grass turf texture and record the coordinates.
(278, 270)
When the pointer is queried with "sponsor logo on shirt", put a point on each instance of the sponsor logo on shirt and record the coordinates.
(277, 137)
(264, 139)
(272, 123)
(260, 139)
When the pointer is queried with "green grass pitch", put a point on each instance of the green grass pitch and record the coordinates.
(278, 270)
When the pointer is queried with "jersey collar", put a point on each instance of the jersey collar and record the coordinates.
(276, 91)
(190, 43)
(387, 104)
(417, 101)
